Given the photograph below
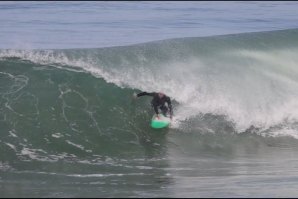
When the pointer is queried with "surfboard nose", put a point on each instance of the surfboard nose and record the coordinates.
(160, 122)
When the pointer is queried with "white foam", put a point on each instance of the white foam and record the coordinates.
(286, 131)
(11, 146)
(57, 135)
(251, 88)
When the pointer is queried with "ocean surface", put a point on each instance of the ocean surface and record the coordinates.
(70, 128)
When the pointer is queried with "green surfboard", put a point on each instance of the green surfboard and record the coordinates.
(162, 122)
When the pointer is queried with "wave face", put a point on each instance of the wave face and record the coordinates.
(75, 104)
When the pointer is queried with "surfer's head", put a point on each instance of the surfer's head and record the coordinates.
(161, 95)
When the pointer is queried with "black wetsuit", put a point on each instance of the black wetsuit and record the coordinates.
(158, 102)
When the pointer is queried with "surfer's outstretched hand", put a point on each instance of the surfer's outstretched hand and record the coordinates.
(134, 96)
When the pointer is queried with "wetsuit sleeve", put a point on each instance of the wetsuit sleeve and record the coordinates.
(145, 93)
(154, 104)
(155, 108)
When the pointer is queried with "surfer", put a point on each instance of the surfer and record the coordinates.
(158, 101)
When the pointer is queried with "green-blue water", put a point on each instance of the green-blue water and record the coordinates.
(69, 126)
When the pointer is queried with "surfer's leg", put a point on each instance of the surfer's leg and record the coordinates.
(164, 110)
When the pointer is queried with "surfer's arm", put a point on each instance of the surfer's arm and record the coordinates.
(155, 107)
(145, 93)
